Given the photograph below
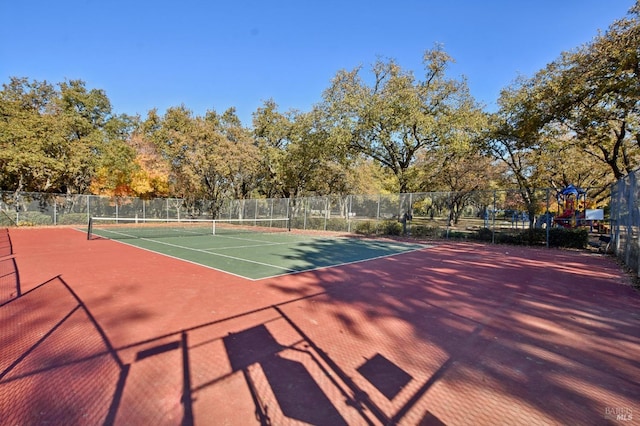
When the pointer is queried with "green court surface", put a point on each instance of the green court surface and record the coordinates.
(261, 255)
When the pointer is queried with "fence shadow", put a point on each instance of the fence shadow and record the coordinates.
(503, 316)
(61, 350)
(9, 276)
(57, 363)
(297, 393)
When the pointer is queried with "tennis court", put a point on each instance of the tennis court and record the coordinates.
(252, 249)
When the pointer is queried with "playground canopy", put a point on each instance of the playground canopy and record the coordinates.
(572, 190)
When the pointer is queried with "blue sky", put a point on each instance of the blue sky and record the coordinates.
(211, 55)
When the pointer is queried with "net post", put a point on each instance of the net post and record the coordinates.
(213, 227)
(89, 228)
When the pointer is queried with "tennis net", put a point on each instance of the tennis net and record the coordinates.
(126, 228)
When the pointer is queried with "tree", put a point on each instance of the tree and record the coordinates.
(29, 133)
(242, 165)
(458, 165)
(304, 157)
(300, 155)
(396, 117)
(55, 140)
(115, 171)
(272, 131)
(601, 97)
(151, 177)
(516, 139)
(589, 99)
(94, 138)
(179, 143)
(210, 158)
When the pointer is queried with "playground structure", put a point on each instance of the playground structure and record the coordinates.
(576, 214)
(574, 203)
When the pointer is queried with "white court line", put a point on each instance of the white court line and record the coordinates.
(289, 271)
(238, 238)
(207, 252)
(251, 246)
(218, 254)
(318, 268)
(185, 260)
(263, 243)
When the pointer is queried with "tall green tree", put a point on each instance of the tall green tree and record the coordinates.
(211, 158)
(241, 167)
(300, 155)
(54, 140)
(29, 135)
(176, 136)
(601, 101)
(516, 139)
(273, 133)
(95, 138)
(396, 116)
(460, 166)
(589, 100)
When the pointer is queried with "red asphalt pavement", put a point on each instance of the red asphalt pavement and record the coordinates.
(96, 332)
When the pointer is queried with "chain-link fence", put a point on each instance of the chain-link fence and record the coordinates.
(501, 209)
(625, 220)
(439, 213)
(428, 214)
(27, 208)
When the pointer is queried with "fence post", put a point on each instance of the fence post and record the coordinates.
(326, 211)
(410, 211)
(629, 222)
(255, 214)
(271, 213)
(493, 225)
(547, 217)
(614, 218)
(631, 219)
(349, 213)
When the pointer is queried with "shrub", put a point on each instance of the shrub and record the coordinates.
(456, 235)
(387, 227)
(315, 223)
(365, 227)
(558, 237)
(320, 224)
(34, 219)
(72, 219)
(7, 220)
(512, 238)
(337, 224)
(484, 234)
(391, 227)
(569, 238)
(422, 231)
